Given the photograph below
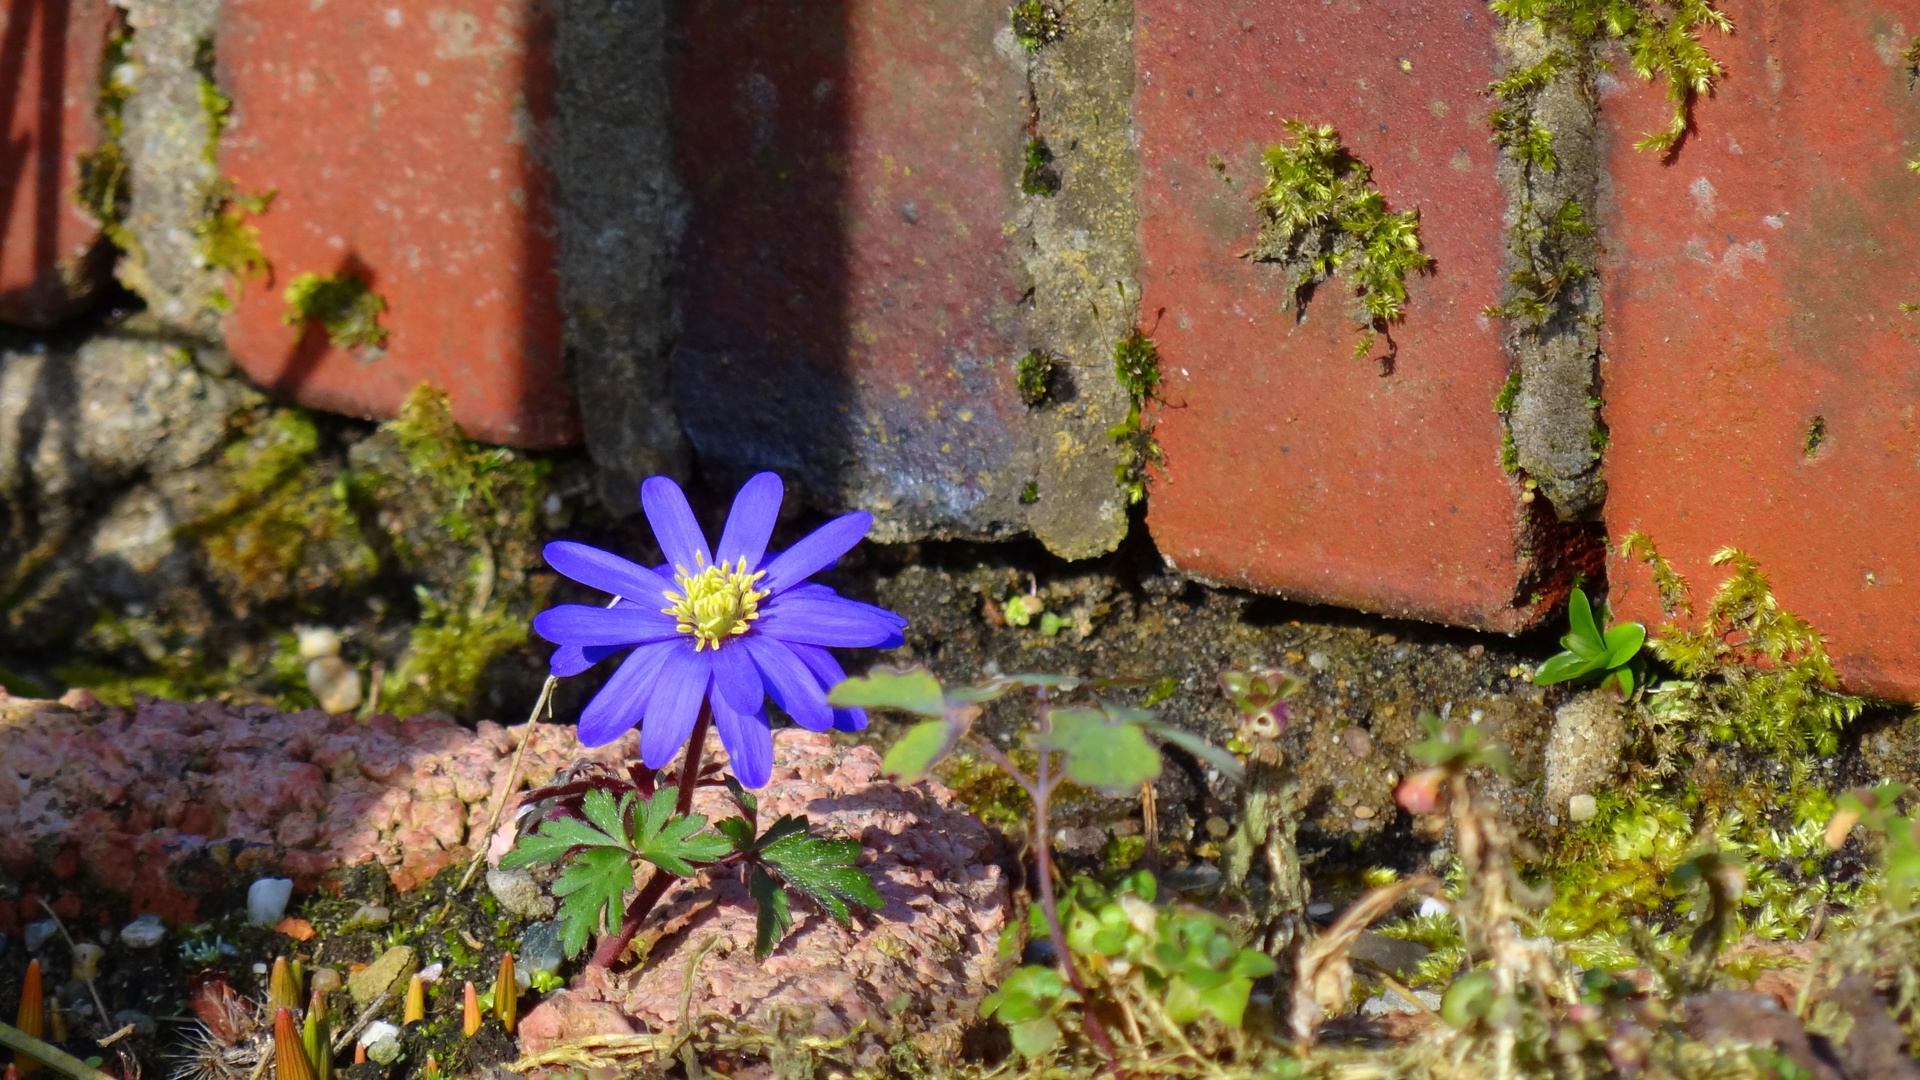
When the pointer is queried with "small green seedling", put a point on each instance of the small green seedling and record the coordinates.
(1590, 652)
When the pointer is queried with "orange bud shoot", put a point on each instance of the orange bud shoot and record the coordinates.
(32, 1018)
(506, 995)
(470, 1011)
(289, 1054)
(283, 989)
(416, 1001)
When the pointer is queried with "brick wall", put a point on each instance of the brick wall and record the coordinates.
(822, 237)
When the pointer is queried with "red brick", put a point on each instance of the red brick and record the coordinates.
(50, 57)
(1291, 466)
(408, 145)
(850, 285)
(1754, 284)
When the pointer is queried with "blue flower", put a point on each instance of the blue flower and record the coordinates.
(728, 628)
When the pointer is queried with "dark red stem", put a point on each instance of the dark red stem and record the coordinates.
(657, 885)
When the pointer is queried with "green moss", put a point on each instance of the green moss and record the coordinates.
(1816, 436)
(1662, 38)
(1324, 216)
(448, 654)
(227, 241)
(1752, 673)
(1038, 176)
(1547, 247)
(1512, 121)
(1509, 454)
(472, 475)
(278, 510)
(1598, 440)
(1136, 363)
(1509, 393)
(1030, 494)
(103, 189)
(1036, 23)
(1032, 375)
(344, 305)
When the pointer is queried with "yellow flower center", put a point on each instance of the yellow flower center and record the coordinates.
(715, 603)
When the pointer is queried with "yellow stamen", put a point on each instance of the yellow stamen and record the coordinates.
(716, 602)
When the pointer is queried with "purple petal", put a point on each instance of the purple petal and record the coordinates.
(735, 680)
(574, 659)
(673, 525)
(607, 572)
(749, 742)
(620, 704)
(789, 682)
(750, 522)
(845, 624)
(579, 624)
(827, 669)
(677, 696)
(819, 549)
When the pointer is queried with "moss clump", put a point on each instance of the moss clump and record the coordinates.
(1662, 39)
(1136, 364)
(1036, 23)
(1324, 216)
(1509, 393)
(448, 653)
(1030, 494)
(227, 241)
(1816, 436)
(344, 305)
(103, 190)
(1038, 176)
(1753, 673)
(264, 536)
(1032, 375)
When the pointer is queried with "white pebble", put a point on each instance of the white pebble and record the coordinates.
(1318, 661)
(144, 932)
(431, 973)
(335, 685)
(378, 1030)
(38, 933)
(1582, 808)
(1433, 905)
(317, 641)
(267, 900)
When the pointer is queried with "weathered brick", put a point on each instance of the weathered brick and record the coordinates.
(51, 257)
(1292, 466)
(1760, 375)
(854, 297)
(409, 147)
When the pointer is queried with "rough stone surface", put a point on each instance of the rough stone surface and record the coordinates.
(1079, 250)
(519, 893)
(107, 794)
(620, 207)
(1291, 466)
(854, 298)
(1760, 374)
(390, 972)
(170, 166)
(105, 447)
(51, 257)
(1583, 752)
(1557, 359)
(932, 945)
(419, 160)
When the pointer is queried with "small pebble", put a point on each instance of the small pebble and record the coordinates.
(1319, 910)
(1318, 661)
(259, 969)
(317, 641)
(1433, 905)
(519, 893)
(327, 981)
(1582, 808)
(539, 949)
(377, 1031)
(1218, 828)
(335, 685)
(432, 972)
(86, 961)
(267, 900)
(369, 915)
(144, 932)
(38, 933)
(1363, 812)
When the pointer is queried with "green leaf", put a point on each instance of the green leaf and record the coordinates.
(920, 749)
(1034, 1037)
(1111, 757)
(593, 891)
(668, 840)
(738, 831)
(1228, 765)
(1561, 667)
(913, 690)
(1580, 617)
(823, 869)
(748, 802)
(780, 830)
(1228, 1001)
(1623, 643)
(775, 914)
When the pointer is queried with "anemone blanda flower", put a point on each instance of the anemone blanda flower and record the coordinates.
(730, 627)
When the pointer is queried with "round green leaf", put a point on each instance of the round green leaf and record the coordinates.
(913, 690)
(919, 750)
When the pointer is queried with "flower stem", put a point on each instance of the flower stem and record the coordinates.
(1042, 793)
(658, 883)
